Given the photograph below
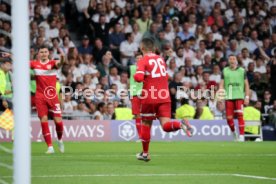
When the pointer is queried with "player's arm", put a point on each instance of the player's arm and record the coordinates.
(139, 76)
(60, 62)
(221, 84)
(247, 91)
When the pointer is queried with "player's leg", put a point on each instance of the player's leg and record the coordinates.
(168, 125)
(42, 111)
(229, 105)
(136, 106)
(55, 109)
(147, 115)
(239, 113)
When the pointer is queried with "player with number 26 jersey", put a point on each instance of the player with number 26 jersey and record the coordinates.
(155, 84)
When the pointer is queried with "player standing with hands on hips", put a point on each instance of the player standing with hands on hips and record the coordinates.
(155, 98)
(236, 88)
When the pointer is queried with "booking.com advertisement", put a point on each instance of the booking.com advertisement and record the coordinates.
(91, 130)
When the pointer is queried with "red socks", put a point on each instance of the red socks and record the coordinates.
(241, 124)
(172, 126)
(145, 136)
(59, 130)
(46, 133)
(231, 124)
(138, 126)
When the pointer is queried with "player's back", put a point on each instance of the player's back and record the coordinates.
(155, 86)
(45, 75)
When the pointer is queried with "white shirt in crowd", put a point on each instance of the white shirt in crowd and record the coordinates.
(215, 77)
(45, 11)
(137, 37)
(186, 79)
(246, 61)
(82, 4)
(68, 107)
(179, 61)
(170, 36)
(120, 85)
(99, 114)
(128, 49)
(261, 69)
(196, 62)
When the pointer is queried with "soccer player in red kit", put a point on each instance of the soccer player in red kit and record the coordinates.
(46, 98)
(155, 97)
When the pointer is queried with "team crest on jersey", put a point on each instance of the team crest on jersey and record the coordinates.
(48, 67)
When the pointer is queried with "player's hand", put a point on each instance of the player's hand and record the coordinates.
(220, 95)
(246, 101)
(109, 55)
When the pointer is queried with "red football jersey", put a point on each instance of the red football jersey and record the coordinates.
(45, 75)
(155, 84)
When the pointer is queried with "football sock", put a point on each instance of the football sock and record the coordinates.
(231, 124)
(241, 124)
(145, 136)
(46, 133)
(138, 126)
(172, 126)
(59, 129)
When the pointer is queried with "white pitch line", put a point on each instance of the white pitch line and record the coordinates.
(7, 150)
(6, 166)
(254, 177)
(152, 175)
(171, 155)
(126, 175)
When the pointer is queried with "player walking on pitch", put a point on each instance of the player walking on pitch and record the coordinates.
(46, 98)
(155, 98)
(236, 87)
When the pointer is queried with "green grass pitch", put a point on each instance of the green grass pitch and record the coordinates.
(172, 163)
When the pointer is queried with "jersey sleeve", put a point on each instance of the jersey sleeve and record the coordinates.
(140, 71)
(53, 64)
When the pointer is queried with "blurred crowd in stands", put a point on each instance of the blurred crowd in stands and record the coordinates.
(100, 39)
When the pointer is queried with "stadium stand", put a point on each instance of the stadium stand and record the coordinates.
(194, 37)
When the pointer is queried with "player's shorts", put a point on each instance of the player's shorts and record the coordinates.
(153, 111)
(136, 105)
(45, 106)
(234, 107)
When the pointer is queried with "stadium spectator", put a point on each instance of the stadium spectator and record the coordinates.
(185, 110)
(81, 113)
(5, 83)
(68, 105)
(115, 40)
(173, 87)
(144, 22)
(128, 49)
(258, 86)
(85, 47)
(109, 112)
(101, 110)
(214, 28)
(203, 112)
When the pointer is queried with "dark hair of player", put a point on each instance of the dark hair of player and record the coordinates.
(43, 47)
(148, 44)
